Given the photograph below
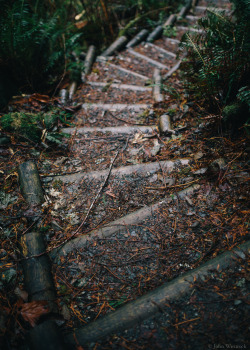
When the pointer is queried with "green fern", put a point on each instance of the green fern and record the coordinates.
(218, 61)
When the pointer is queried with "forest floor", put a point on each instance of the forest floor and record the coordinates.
(97, 176)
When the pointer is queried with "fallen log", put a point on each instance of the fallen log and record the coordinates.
(36, 265)
(138, 38)
(88, 62)
(116, 46)
(156, 34)
(170, 21)
(153, 302)
(30, 184)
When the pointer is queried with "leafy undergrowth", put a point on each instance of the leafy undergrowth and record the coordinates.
(184, 233)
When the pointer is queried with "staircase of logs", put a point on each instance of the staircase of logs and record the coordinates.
(118, 87)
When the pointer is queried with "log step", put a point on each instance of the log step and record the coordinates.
(157, 54)
(117, 93)
(145, 168)
(113, 107)
(121, 86)
(147, 59)
(111, 129)
(106, 71)
(134, 218)
(129, 72)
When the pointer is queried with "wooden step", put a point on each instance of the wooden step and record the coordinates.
(147, 59)
(113, 107)
(145, 168)
(111, 129)
(120, 86)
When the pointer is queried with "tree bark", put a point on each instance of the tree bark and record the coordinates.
(30, 183)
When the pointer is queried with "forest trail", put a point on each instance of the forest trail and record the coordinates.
(135, 203)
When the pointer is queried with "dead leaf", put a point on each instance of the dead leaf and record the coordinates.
(81, 24)
(31, 312)
(110, 193)
(39, 97)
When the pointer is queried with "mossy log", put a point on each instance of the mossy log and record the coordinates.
(30, 183)
(37, 271)
(38, 278)
(153, 302)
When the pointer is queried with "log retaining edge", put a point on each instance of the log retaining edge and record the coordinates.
(155, 301)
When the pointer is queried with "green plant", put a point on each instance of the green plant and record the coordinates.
(36, 40)
(218, 62)
(34, 127)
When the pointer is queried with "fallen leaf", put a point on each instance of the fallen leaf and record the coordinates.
(31, 312)
(110, 193)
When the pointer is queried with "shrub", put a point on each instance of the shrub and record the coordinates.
(218, 63)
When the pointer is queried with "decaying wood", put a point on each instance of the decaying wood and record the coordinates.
(116, 46)
(156, 34)
(164, 125)
(37, 272)
(38, 278)
(88, 62)
(30, 184)
(158, 97)
(138, 38)
(154, 302)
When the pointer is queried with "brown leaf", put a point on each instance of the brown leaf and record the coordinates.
(32, 311)
(40, 98)
(81, 24)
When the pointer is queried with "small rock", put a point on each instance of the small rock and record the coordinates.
(195, 224)
(66, 312)
(237, 302)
